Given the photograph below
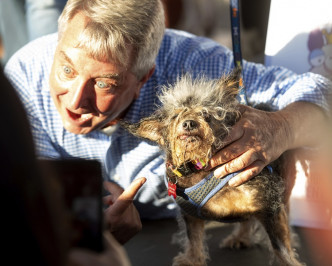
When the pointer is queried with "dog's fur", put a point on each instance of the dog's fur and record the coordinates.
(195, 117)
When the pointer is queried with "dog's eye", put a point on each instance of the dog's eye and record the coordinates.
(206, 116)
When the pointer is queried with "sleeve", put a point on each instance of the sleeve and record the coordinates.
(279, 87)
(275, 86)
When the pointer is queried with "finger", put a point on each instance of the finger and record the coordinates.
(226, 155)
(130, 192)
(108, 200)
(237, 164)
(114, 189)
(247, 174)
(126, 198)
(231, 149)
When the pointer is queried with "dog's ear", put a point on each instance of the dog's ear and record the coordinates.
(231, 84)
(148, 128)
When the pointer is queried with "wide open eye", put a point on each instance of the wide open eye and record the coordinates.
(206, 116)
(67, 70)
(101, 84)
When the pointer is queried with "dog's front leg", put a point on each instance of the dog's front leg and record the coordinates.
(194, 249)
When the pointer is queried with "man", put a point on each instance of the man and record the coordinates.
(32, 210)
(110, 61)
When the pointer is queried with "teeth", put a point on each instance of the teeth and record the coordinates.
(85, 117)
(79, 117)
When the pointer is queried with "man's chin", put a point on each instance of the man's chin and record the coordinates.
(78, 130)
(86, 128)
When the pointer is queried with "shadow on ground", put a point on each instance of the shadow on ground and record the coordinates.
(153, 246)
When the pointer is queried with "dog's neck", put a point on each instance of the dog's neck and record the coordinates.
(187, 174)
(187, 168)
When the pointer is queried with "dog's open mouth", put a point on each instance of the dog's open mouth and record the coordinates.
(189, 138)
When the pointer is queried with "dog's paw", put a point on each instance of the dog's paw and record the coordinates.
(184, 260)
(235, 242)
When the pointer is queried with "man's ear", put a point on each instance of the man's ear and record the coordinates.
(143, 80)
(148, 128)
(148, 75)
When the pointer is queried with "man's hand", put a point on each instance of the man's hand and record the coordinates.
(255, 140)
(259, 138)
(121, 215)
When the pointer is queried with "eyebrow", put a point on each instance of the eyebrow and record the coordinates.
(111, 76)
(66, 57)
(115, 76)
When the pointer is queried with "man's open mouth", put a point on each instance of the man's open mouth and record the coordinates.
(81, 118)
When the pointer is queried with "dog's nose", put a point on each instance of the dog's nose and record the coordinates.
(189, 125)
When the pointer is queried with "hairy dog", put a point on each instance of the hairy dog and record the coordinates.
(195, 117)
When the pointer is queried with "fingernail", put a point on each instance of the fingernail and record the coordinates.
(142, 180)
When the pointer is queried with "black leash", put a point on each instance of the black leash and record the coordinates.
(236, 43)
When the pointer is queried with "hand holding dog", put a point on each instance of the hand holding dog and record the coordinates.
(122, 216)
(260, 137)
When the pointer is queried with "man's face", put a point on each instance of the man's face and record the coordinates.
(88, 94)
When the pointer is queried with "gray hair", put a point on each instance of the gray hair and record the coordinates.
(116, 26)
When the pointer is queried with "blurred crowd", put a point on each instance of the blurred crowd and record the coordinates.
(24, 20)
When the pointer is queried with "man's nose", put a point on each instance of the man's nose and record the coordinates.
(80, 94)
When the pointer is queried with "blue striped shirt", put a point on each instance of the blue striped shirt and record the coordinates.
(123, 156)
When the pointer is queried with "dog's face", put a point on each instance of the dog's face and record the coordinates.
(191, 133)
(194, 118)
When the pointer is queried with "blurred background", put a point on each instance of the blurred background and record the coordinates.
(24, 20)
